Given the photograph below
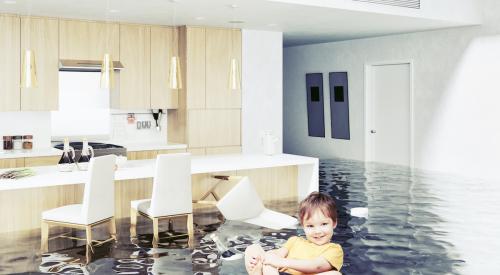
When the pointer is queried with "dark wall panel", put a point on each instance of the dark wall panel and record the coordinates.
(315, 105)
(339, 105)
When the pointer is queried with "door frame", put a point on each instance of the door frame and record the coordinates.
(367, 107)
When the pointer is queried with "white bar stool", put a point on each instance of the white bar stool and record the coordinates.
(98, 205)
(171, 196)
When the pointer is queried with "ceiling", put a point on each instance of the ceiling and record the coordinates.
(300, 24)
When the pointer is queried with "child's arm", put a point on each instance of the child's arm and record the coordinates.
(317, 265)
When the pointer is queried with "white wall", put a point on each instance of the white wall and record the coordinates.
(456, 101)
(262, 88)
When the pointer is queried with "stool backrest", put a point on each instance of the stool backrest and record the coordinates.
(99, 194)
(172, 185)
(241, 202)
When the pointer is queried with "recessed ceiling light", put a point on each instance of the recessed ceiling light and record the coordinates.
(199, 18)
(9, 2)
(233, 6)
(114, 11)
(236, 22)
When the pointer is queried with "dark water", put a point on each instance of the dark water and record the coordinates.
(412, 228)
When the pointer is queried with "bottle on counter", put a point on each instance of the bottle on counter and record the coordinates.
(84, 159)
(28, 142)
(7, 143)
(18, 142)
(67, 160)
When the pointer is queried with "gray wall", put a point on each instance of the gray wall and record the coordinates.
(456, 94)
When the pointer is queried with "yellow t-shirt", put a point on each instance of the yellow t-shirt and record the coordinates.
(302, 249)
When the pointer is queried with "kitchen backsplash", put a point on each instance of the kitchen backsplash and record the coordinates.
(27, 123)
(38, 124)
(141, 129)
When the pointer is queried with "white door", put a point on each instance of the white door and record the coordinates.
(388, 114)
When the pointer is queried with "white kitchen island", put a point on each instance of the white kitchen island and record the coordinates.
(276, 177)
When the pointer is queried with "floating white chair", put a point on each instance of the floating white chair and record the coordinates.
(171, 195)
(98, 204)
(242, 203)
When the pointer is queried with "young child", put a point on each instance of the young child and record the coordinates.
(313, 255)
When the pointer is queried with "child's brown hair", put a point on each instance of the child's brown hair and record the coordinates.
(314, 201)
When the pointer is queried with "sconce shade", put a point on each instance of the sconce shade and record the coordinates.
(175, 78)
(107, 72)
(234, 75)
(28, 70)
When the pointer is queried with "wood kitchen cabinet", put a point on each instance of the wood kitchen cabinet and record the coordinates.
(88, 40)
(208, 118)
(10, 66)
(135, 55)
(42, 36)
(151, 154)
(221, 45)
(195, 70)
(11, 163)
(214, 127)
(41, 161)
(163, 47)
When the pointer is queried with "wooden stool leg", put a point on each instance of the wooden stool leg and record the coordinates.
(112, 228)
(88, 232)
(156, 236)
(45, 237)
(133, 222)
(190, 229)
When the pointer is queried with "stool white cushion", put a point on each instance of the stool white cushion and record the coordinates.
(68, 214)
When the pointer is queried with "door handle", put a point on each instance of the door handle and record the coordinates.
(373, 131)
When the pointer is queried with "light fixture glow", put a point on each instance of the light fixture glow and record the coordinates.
(28, 70)
(107, 72)
(234, 75)
(175, 79)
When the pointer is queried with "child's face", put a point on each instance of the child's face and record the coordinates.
(318, 228)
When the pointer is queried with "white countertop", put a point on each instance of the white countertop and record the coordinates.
(137, 169)
(41, 152)
(131, 147)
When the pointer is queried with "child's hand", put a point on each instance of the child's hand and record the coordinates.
(253, 262)
(273, 259)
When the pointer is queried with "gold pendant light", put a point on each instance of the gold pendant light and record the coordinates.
(234, 75)
(175, 79)
(107, 72)
(174, 72)
(107, 68)
(28, 68)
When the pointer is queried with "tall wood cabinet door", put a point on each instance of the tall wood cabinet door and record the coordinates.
(42, 36)
(195, 71)
(163, 47)
(135, 55)
(87, 40)
(222, 44)
(214, 127)
(10, 64)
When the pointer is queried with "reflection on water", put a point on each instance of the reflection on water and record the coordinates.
(416, 225)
